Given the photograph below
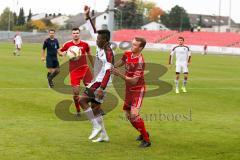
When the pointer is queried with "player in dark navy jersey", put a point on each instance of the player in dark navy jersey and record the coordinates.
(52, 64)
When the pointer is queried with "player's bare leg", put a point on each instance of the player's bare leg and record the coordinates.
(177, 82)
(17, 51)
(185, 82)
(76, 97)
(84, 100)
(98, 113)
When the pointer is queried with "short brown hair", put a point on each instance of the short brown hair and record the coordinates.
(51, 30)
(75, 29)
(181, 38)
(142, 41)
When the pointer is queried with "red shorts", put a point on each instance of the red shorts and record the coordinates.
(134, 98)
(83, 74)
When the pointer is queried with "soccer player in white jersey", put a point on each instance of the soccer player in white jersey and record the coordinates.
(183, 59)
(18, 44)
(95, 91)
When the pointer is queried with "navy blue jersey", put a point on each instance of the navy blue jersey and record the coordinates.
(52, 46)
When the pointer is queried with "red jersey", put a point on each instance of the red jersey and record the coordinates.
(134, 67)
(81, 63)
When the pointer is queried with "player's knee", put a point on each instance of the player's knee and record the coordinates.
(127, 115)
(76, 97)
(82, 102)
(57, 71)
(75, 92)
(134, 117)
(97, 111)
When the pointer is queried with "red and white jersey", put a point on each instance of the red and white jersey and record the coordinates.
(134, 67)
(76, 65)
(103, 62)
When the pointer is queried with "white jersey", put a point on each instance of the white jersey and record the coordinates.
(101, 64)
(17, 40)
(182, 54)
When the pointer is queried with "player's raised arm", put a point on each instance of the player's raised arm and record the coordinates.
(90, 25)
(89, 55)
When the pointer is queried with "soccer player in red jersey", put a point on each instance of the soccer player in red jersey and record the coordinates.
(78, 67)
(135, 86)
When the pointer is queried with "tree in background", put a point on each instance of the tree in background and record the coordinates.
(150, 9)
(176, 19)
(29, 18)
(21, 17)
(118, 2)
(4, 19)
(155, 14)
(132, 16)
(15, 18)
(39, 24)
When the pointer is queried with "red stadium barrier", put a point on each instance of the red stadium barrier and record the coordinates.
(170, 37)
(150, 36)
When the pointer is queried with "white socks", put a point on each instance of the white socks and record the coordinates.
(91, 117)
(185, 82)
(100, 121)
(176, 83)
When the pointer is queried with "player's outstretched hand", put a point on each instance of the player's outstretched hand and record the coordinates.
(100, 94)
(87, 11)
(115, 71)
(61, 54)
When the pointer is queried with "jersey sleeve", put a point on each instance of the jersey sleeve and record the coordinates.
(64, 47)
(189, 52)
(58, 45)
(124, 58)
(44, 45)
(88, 49)
(92, 29)
(107, 65)
(172, 52)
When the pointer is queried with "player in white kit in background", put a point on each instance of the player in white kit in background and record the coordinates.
(183, 59)
(18, 44)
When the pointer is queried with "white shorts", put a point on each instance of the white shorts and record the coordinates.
(182, 68)
(18, 46)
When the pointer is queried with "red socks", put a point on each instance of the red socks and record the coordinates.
(138, 123)
(76, 101)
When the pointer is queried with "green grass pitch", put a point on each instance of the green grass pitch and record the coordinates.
(30, 130)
